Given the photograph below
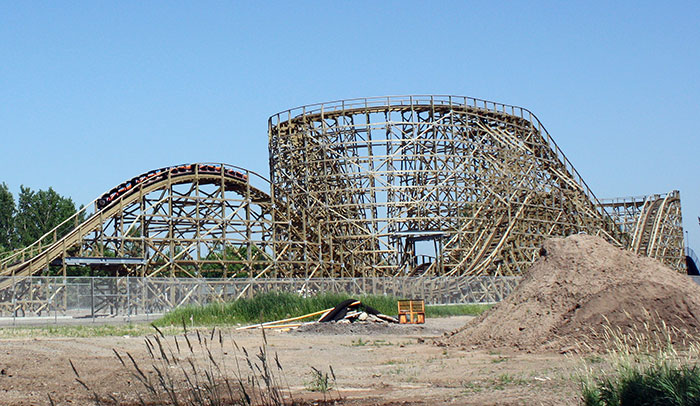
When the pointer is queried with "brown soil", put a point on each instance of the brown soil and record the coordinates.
(401, 368)
(577, 291)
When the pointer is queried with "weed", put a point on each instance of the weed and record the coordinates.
(499, 360)
(506, 379)
(375, 343)
(271, 306)
(644, 367)
(201, 368)
(396, 371)
(359, 342)
(472, 387)
(660, 383)
(381, 343)
(322, 382)
(100, 330)
(594, 359)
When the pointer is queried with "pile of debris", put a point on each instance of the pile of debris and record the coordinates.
(352, 311)
(346, 312)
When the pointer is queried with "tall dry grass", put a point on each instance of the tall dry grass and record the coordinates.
(654, 364)
(197, 368)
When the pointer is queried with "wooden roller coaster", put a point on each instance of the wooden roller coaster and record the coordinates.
(436, 185)
(175, 221)
(392, 186)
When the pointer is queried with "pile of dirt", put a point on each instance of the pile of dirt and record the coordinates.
(579, 288)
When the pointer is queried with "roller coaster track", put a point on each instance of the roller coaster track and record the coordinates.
(70, 234)
(653, 223)
(357, 189)
(412, 164)
(297, 123)
(356, 185)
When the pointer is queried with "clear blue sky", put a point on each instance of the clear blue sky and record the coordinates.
(93, 93)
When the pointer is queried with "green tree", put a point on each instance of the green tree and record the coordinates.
(39, 212)
(7, 214)
(231, 254)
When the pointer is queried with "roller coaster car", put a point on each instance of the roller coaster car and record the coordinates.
(158, 174)
(210, 168)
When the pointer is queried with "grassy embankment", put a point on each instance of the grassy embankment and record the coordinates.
(276, 306)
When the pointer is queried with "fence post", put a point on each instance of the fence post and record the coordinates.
(144, 288)
(65, 296)
(142, 284)
(128, 300)
(14, 300)
(92, 298)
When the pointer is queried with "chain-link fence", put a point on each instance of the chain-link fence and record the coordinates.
(100, 296)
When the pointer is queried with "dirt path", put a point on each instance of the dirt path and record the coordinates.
(400, 368)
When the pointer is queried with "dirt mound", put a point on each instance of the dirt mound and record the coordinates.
(580, 284)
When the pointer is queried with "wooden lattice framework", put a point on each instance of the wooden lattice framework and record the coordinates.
(192, 220)
(654, 224)
(426, 185)
(379, 187)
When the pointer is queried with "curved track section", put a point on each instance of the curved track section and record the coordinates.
(654, 225)
(421, 185)
(186, 220)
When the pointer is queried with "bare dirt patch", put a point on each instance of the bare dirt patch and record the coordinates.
(580, 285)
(400, 368)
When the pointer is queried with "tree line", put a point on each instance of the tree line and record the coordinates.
(34, 214)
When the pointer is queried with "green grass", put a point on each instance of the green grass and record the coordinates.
(265, 307)
(662, 383)
(277, 306)
(100, 330)
(455, 310)
(272, 306)
(644, 367)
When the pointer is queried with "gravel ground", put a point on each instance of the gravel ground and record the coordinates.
(432, 327)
